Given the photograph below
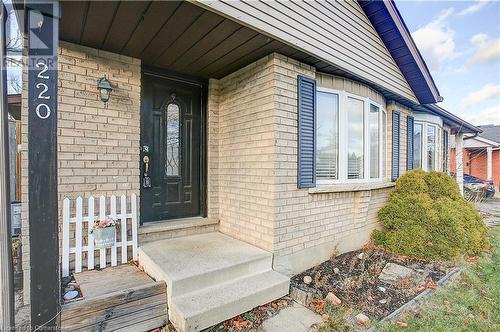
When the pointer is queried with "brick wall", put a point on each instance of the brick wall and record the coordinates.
(309, 225)
(246, 151)
(253, 155)
(475, 164)
(213, 150)
(97, 145)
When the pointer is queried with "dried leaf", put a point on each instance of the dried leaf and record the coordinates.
(431, 284)
(401, 324)
(240, 323)
(317, 305)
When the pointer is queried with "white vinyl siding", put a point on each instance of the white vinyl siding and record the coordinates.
(337, 32)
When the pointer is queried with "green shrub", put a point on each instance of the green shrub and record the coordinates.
(427, 218)
(440, 184)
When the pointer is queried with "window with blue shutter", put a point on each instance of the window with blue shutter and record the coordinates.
(306, 168)
(409, 143)
(395, 145)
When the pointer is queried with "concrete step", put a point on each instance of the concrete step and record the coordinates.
(195, 262)
(206, 307)
(162, 230)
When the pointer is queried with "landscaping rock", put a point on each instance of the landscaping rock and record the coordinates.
(65, 281)
(70, 295)
(362, 319)
(361, 255)
(382, 289)
(303, 296)
(393, 272)
(69, 288)
(336, 270)
(308, 280)
(333, 299)
(383, 301)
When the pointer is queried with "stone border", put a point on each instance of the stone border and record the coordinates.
(303, 296)
(447, 279)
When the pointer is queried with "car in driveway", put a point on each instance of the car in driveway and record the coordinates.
(476, 187)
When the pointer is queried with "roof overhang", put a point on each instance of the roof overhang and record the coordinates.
(456, 124)
(485, 141)
(389, 24)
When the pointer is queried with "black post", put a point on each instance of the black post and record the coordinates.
(42, 27)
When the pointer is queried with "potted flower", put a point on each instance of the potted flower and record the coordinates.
(104, 232)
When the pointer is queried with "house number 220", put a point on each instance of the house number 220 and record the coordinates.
(42, 110)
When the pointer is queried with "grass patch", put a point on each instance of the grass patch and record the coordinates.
(471, 303)
(337, 319)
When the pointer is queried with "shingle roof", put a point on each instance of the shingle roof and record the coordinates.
(491, 132)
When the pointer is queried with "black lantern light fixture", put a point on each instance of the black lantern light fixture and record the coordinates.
(104, 89)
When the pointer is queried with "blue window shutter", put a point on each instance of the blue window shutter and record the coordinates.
(306, 168)
(445, 147)
(395, 145)
(409, 146)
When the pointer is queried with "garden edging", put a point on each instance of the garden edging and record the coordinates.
(448, 278)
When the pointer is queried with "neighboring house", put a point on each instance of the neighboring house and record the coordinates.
(481, 154)
(282, 125)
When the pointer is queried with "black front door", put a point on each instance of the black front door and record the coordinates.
(170, 149)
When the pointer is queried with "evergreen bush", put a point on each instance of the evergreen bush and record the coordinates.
(427, 218)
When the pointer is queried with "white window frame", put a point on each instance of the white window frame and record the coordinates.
(343, 139)
(424, 142)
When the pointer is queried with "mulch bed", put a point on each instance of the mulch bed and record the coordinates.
(357, 284)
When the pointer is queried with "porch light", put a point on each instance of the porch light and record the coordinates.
(104, 89)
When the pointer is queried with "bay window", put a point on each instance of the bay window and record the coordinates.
(355, 138)
(350, 138)
(374, 130)
(427, 134)
(327, 136)
(431, 147)
(417, 145)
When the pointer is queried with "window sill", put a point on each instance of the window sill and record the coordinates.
(339, 188)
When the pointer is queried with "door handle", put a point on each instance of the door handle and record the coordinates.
(145, 160)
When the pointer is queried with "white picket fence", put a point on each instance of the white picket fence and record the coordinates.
(83, 225)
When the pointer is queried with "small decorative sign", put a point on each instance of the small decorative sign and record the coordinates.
(104, 233)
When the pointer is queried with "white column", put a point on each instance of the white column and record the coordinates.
(489, 165)
(459, 160)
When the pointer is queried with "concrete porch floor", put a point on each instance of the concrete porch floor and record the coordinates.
(211, 277)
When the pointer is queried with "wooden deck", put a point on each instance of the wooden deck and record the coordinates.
(120, 298)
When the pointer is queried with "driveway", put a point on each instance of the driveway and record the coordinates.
(490, 210)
